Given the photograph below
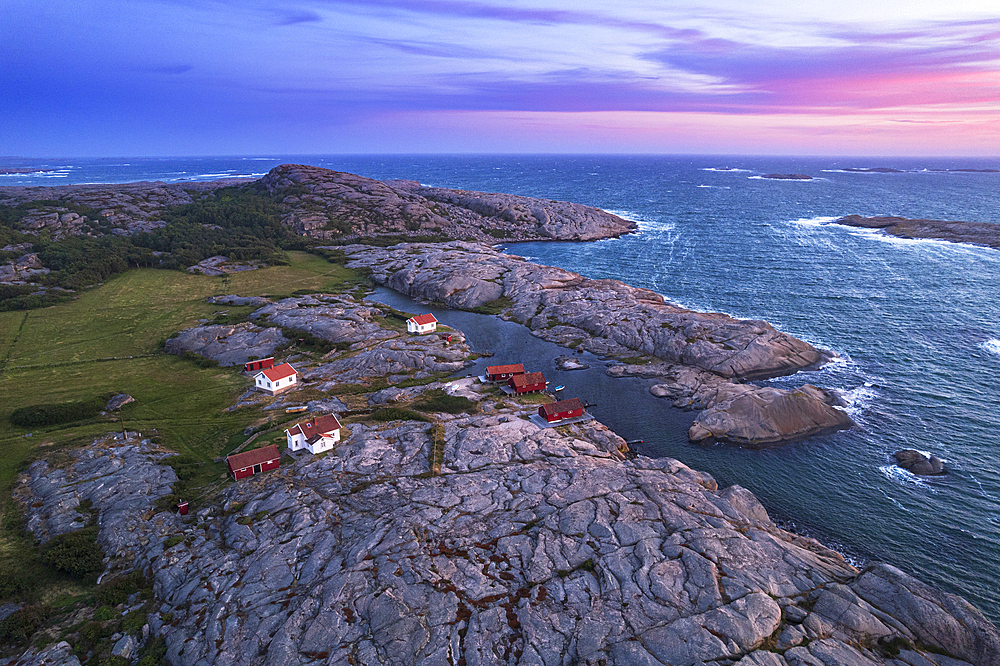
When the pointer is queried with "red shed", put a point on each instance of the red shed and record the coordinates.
(259, 364)
(564, 409)
(530, 382)
(248, 463)
(501, 373)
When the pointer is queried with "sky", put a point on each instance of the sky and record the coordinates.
(240, 77)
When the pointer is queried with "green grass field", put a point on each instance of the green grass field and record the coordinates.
(110, 339)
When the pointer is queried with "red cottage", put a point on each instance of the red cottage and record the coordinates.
(564, 409)
(501, 373)
(248, 463)
(530, 382)
(259, 364)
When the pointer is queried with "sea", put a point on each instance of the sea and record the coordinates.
(915, 324)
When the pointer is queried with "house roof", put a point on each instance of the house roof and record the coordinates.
(321, 425)
(279, 372)
(421, 320)
(516, 368)
(528, 379)
(255, 457)
(562, 406)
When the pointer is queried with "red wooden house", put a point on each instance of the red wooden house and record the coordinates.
(529, 382)
(564, 409)
(502, 373)
(259, 364)
(248, 463)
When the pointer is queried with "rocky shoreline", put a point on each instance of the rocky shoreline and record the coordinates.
(706, 357)
(532, 546)
(974, 233)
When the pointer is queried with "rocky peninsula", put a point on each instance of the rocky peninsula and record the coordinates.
(974, 233)
(706, 357)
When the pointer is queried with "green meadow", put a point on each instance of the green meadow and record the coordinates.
(110, 340)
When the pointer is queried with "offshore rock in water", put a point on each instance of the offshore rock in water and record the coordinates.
(974, 233)
(917, 462)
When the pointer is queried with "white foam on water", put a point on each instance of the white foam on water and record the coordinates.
(714, 187)
(644, 222)
(921, 243)
(813, 221)
(859, 399)
(899, 475)
(992, 346)
(723, 169)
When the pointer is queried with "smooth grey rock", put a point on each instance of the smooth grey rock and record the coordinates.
(935, 618)
(227, 344)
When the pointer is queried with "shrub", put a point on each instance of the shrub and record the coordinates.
(153, 653)
(397, 414)
(19, 626)
(439, 401)
(105, 613)
(75, 553)
(119, 589)
(135, 621)
(54, 414)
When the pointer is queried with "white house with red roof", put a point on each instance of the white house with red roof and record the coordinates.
(425, 323)
(277, 379)
(317, 435)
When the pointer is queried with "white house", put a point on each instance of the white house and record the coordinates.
(425, 323)
(317, 435)
(277, 379)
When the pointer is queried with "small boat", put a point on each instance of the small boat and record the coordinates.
(559, 388)
(295, 410)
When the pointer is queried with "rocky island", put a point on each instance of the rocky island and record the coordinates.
(974, 233)
(474, 536)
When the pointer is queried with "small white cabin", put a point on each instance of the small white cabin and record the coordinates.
(277, 379)
(425, 323)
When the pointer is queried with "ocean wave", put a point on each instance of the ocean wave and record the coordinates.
(644, 221)
(819, 221)
(900, 475)
(992, 346)
(714, 187)
(723, 169)
(859, 398)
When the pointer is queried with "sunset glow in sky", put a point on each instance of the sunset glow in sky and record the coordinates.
(212, 77)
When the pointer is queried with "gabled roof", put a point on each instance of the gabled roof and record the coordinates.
(279, 372)
(255, 457)
(528, 379)
(422, 320)
(562, 406)
(319, 426)
(515, 368)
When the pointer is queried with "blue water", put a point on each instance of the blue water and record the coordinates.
(916, 323)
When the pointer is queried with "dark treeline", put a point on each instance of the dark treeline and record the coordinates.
(242, 223)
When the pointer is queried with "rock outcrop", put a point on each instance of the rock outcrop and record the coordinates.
(127, 207)
(975, 233)
(769, 417)
(229, 344)
(532, 546)
(917, 462)
(330, 204)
